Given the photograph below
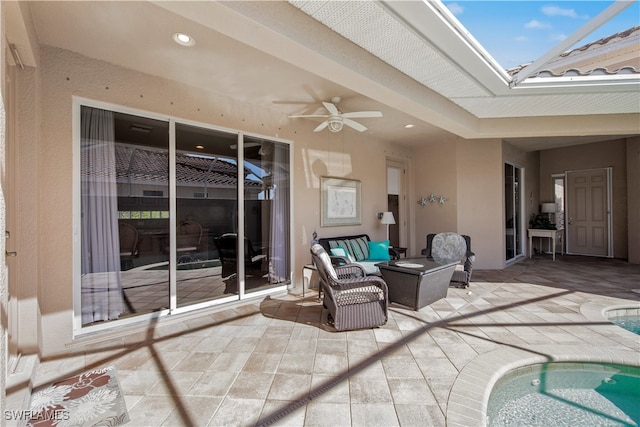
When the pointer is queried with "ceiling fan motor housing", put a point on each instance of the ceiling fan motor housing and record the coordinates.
(335, 124)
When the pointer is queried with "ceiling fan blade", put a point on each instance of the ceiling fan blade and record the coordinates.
(331, 108)
(362, 114)
(351, 123)
(308, 115)
(321, 126)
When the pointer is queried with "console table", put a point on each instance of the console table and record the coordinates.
(549, 234)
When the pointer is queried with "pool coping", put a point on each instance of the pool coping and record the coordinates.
(469, 396)
(467, 404)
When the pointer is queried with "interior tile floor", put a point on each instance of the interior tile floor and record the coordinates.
(273, 361)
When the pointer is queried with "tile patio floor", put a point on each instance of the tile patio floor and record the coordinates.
(271, 361)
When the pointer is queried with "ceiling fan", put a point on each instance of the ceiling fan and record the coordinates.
(336, 119)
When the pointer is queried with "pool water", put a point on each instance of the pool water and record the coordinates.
(568, 394)
(630, 323)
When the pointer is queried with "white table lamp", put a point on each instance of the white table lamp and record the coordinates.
(387, 218)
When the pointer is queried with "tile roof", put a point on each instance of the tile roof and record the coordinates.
(147, 166)
(617, 54)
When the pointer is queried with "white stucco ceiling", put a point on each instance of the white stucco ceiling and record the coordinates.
(276, 55)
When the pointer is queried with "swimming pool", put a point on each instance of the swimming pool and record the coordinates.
(566, 393)
(627, 318)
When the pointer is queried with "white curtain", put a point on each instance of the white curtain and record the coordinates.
(101, 287)
(279, 240)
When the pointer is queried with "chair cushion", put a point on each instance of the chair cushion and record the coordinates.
(369, 267)
(360, 248)
(448, 247)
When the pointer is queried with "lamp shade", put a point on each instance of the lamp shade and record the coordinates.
(548, 208)
(387, 218)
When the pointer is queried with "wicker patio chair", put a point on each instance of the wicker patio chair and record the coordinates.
(354, 301)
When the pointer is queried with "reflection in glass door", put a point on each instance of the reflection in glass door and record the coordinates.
(206, 210)
(173, 216)
(513, 211)
(266, 214)
(124, 184)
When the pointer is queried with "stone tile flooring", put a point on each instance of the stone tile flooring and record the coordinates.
(274, 360)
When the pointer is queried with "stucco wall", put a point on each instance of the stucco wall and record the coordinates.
(435, 173)
(591, 156)
(64, 74)
(633, 199)
(480, 200)
(469, 174)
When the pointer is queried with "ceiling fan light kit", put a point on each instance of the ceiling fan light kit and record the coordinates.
(336, 120)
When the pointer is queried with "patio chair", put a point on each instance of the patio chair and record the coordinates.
(354, 300)
(129, 240)
(188, 240)
(453, 245)
(254, 261)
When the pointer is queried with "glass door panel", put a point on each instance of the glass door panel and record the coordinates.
(124, 215)
(266, 214)
(139, 254)
(509, 214)
(206, 213)
(513, 211)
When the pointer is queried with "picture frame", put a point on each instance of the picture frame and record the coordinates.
(340, 201)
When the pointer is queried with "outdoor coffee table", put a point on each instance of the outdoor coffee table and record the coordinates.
(417, 282)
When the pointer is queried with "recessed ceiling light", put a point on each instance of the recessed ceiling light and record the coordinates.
(409, 126)
(183, 39)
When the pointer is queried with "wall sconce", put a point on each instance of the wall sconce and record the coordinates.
(387, 218)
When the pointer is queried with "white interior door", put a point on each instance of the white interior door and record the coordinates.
(588, 216)
(395, 202)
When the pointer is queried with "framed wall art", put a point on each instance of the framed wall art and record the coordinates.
(340, 201)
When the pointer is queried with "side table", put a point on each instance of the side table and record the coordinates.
(549, 234)
(308, 271)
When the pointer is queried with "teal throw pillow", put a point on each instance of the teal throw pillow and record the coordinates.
(379, 250)
(342, 252)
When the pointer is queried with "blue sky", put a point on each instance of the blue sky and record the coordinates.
(518, 32)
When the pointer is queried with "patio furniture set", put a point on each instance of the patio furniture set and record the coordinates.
(356, 295)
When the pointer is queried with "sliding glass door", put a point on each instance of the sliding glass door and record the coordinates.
(175, 216)
(513, 211)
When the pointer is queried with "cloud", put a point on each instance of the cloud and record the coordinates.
(521, 39)
(455, 8)
(559, 11)
(558, 37)
(536, 25)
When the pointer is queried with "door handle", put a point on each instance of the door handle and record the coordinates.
(7, 253)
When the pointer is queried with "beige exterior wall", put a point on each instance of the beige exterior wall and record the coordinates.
(481, 199)
(64, 74)
(435, 173)
(592, 156)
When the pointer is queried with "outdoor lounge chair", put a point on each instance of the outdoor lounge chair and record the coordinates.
(354, 301)
(254, 261)
(462, 274)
